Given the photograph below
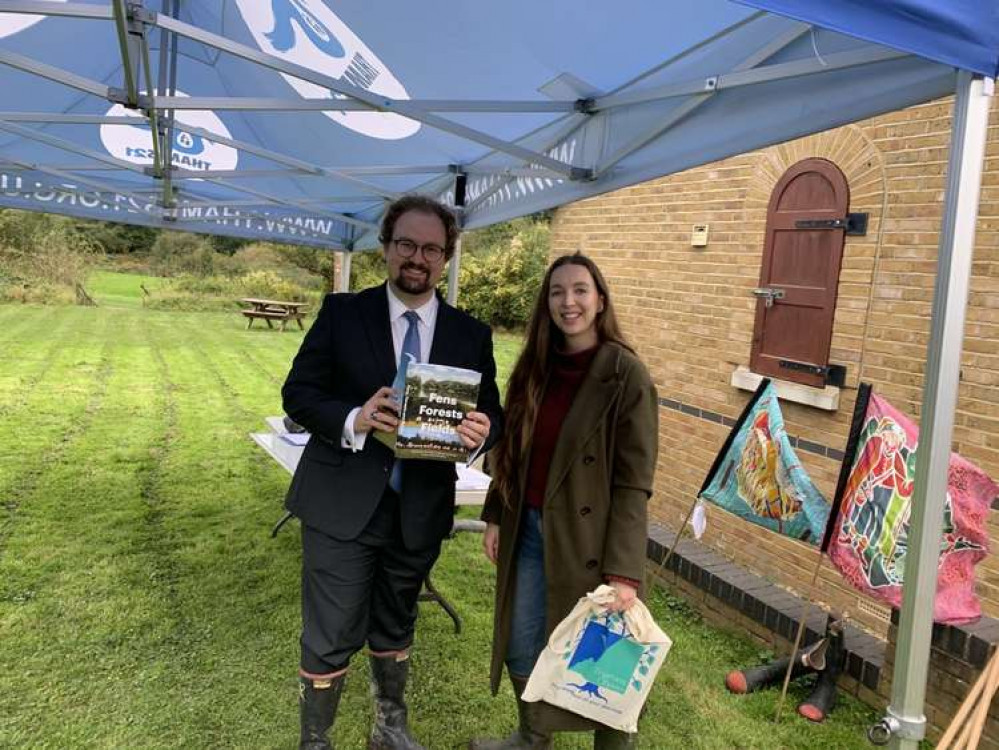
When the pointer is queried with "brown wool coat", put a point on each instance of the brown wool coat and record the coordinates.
(595, 508)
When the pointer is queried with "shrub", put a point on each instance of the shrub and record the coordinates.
(205, 286)
(311, 262)
(37, 294)
(366, 269)
(222, 293)
(43, 258)
(258, 256)
(270, 285)
(176, 253)
(500, 286)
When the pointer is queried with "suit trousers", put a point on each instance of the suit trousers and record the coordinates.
(360, 590)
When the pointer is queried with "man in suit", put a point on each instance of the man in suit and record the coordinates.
(372, 526)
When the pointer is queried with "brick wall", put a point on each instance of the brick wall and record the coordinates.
(690, 313)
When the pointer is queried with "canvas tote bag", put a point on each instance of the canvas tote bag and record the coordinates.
(600, 664)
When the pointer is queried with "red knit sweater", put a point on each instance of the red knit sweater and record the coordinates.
(568, 371)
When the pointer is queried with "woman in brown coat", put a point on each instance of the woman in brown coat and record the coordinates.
(572, 477)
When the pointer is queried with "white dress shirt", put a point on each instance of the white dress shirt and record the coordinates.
(427, 313)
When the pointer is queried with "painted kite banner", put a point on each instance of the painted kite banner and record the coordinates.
(758, 476)
(868, 539)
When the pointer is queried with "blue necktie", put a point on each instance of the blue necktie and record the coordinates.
(410, 347)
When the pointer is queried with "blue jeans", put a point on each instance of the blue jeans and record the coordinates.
(527, 627)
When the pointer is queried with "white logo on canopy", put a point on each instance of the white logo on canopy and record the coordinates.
(134, 143)
(308, 33)
(12, 23)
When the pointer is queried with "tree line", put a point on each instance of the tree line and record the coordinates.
(46, 258)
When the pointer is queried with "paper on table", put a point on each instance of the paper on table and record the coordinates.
(471, 479)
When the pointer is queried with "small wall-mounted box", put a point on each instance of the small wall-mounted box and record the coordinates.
(699, 235)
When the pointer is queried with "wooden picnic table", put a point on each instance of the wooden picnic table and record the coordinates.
(270, 310)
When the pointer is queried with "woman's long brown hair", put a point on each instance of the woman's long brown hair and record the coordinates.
(526, 387)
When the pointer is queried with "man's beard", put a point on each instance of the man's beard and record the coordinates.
(413, 286)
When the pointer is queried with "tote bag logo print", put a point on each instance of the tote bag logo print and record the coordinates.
(604, 659)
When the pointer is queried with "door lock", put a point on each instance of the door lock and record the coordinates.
(768, 294)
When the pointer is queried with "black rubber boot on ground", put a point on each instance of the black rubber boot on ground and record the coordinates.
(388, 686)
(823, 696)
(317, 709)
(526, 737)
(612, 739)
(749, 680)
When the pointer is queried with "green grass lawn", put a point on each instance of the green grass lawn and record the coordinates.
(115, 289)
(142, 604)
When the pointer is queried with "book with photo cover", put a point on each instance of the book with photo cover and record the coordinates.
(435, 398)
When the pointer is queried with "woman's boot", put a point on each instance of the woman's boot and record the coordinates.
(527, 736)
(613, 739)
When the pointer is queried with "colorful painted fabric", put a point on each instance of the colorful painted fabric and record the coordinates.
(869, 537)
(758, 476)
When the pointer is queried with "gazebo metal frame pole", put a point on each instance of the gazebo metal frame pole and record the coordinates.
(905, 722)
(168, 86)
(345, 271)
(454, 265)
(453, 273)
(348, 255)
(66, 10)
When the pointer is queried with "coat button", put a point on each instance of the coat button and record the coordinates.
(587, 460)
(585, 510)
(591, 564)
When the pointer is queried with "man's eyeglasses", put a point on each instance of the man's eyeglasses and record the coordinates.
(407, 249)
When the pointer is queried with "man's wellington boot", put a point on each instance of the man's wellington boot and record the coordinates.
(318, 701)
(527, 736)
(388, 686)
(823, 696)
(748, 680)
(613, 739)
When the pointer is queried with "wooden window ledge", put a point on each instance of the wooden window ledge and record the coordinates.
(826, 398)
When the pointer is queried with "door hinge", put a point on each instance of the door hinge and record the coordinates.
(854, 224)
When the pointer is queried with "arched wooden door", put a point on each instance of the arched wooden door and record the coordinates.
(799, 278)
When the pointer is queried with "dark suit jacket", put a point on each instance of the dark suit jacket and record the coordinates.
(346, 356)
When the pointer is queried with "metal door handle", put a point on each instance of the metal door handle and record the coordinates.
(768, 294)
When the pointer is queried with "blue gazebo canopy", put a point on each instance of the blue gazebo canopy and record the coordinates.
(296, 120)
